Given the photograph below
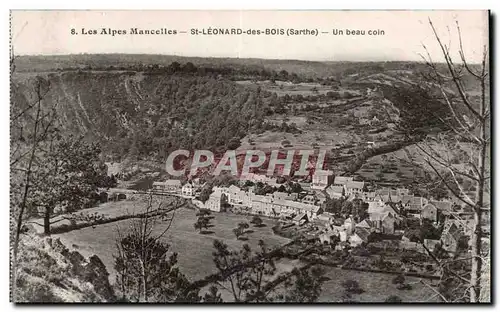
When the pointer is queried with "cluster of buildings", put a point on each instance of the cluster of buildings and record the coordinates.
(275, 205)
(385, 207)
(175, 187)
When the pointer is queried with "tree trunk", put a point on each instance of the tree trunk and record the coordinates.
(46, 222)
(476, 268)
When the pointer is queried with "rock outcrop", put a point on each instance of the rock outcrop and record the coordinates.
(47, 271)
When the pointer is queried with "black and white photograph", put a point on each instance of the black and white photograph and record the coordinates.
(250, 156)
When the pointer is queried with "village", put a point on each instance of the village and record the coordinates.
(339, 211)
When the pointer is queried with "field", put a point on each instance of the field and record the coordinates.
(377, 287)
(194, 249)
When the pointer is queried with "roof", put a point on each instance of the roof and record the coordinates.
(168, 183)
(299, 217)
(355, 184)
(323, 172)
(342, 180)
(282, 195)
(417, 201)
(367, 224)
(384, 191)
(334, 189)
(380, 216)
(234, 189)
(406, 199)
(363, 234)
(296, 205)
(442, 205)
(324, 217)
(429, 206)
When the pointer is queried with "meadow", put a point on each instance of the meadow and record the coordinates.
(194, 249)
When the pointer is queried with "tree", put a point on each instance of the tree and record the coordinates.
(295, 187)
(69, 176)
(352, 287)
(347, 208)
(31, 125)
(145, 272)
(203, 221)
(250, 276)
(240, 230)
(246, 283)
(379, 175)
(205, 193)
(467, 127)
(400, 279)
(257, 221)
(307, 286)
(393, 299)
(212, 296)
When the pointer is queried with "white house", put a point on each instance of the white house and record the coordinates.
(214, 202)
(335, 191)
(353, 187)
(169, 186)
(188, 189)
(321, 179)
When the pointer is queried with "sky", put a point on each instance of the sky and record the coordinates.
(405, 33)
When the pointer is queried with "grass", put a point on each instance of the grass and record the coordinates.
(194, 249)
(377, 287)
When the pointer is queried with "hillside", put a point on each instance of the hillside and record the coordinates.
(143, 107)
(49, 272)
(145, 114)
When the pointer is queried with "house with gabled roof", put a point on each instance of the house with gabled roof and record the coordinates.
(168, 186)
(383, 222)
(188, 189)
(360, 236)
(366, 224)
(415, 205)
(214, 202)
(310, 199)
(353, 187)
(335, 191)
(368, 196)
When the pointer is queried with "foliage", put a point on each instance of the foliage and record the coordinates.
(393, 299)
(212, 296)
(69, 176)
(257, 221)
(240, 230)
(151, 114)
(352, 287)
(203, 221)
(145, 272)
(307, 286)
(248, 282)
